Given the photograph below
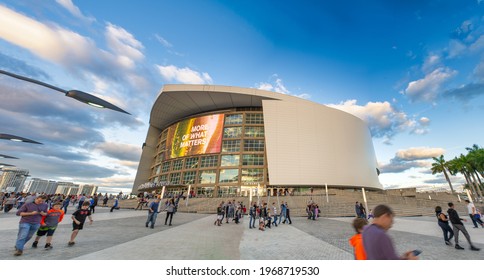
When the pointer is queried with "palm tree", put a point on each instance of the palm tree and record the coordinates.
(440, 166)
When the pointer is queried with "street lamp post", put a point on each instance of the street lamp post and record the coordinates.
(16, 138)
(76, 94)
(5, 156)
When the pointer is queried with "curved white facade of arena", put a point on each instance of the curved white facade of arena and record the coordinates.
(306, 143)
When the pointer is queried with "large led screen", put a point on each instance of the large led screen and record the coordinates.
(202, 135)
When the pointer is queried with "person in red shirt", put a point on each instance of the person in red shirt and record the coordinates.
(357, 240)
(48, 224)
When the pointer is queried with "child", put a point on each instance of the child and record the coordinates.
(356, 240)
(48, 224)
(78, 218)
(370, 215)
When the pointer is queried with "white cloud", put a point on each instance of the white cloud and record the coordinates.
(430, 62)
(74, 10)
(428, 88)
(76, 53)
(382, 118)
(418, 153)
(415, 157)
(123, 43)
(277, 85)
(163, 41)
(185, 75)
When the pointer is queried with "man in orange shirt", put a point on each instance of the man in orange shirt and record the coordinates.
(357, 240)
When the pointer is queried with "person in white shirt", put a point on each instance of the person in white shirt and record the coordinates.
(471, 210)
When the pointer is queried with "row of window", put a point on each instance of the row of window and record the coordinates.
(248, 175)
(250, 118)
(211, 161)
(250, 131)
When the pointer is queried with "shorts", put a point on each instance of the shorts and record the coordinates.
(76, 226)
(46, 230)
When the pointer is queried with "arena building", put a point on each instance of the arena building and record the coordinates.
(220, 140)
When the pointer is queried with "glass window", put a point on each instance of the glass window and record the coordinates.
(209, 161)
(254, 118)
(178, 164)
(191, 163)
(163, 178)
(234, 119)
(230, 160)
(252, 175)
(229, 176)
(166, 166)
(254, 131)
(207, 176)
(189, 177)
(158, 168)
(253, 145)
(232, 132)
(253, 160)
(229, 146)
(175, 178)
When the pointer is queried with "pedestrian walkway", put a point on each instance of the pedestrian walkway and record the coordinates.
(122, 235)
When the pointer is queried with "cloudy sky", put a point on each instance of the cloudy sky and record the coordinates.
(413, 70)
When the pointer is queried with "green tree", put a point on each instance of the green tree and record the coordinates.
(440, 166)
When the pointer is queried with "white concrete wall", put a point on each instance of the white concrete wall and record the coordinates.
(312, 144)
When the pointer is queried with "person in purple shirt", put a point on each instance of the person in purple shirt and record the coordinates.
(31, 214)
(378, 244)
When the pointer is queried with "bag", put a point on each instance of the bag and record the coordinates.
(477, 216)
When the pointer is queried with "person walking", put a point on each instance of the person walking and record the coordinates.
(105, 200)
(443, 222)
(288, 214)
(115, 205)
(220, 214)
(376, 241)
(252, 213)
(49, 224)
(357, 210)
(471, 210)
(31, 214)
(65, 204)
(153, 212)
(457, 226)
(78, 219)
(170, 209)
(283, 212)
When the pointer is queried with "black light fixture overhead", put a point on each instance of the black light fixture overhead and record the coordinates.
(17, 138)
(5, 156)
(76, 94)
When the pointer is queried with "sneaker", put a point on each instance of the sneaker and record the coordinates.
(474, 227)
(71, 243)
(48, 246)
(458, 247)
(18, 253)
(34, 245)
(448, 243)
(154, 226)
(475, 248)
(146, 224)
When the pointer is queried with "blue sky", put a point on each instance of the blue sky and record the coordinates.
(413, 70)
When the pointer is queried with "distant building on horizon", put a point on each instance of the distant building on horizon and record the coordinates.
(37, 185)
(12, 179)
(223, 140)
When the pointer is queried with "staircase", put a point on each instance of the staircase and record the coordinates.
(340, 202)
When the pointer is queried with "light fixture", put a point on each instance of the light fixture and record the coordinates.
(76, 94)
(5, 156)
(17, 138)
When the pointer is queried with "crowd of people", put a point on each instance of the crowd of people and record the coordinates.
(40, 214)
(371, 241)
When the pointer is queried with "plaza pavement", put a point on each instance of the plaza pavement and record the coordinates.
(122, 235)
